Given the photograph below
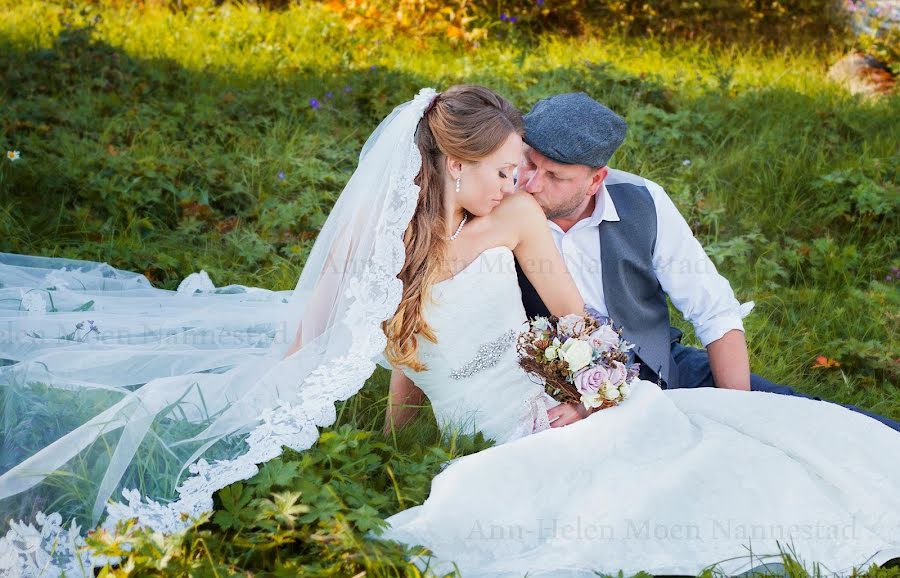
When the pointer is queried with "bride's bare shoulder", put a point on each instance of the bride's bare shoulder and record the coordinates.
(516, 211)
(519, 206)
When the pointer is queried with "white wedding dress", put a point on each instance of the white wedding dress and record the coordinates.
(668, 482)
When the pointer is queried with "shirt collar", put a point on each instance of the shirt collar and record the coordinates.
(604, 209)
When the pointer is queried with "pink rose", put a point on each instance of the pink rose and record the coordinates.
(604, 338)
(589, 381)
(618, 373)
(571, 325)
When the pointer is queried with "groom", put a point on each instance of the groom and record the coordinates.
(628, 248)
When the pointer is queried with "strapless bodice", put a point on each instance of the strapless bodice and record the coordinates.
(472, 375)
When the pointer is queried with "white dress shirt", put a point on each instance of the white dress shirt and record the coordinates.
(685, 272)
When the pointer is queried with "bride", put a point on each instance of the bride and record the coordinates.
(146, 401)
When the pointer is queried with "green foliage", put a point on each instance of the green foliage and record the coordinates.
(865, 193)
(472, 22)
(468, 22)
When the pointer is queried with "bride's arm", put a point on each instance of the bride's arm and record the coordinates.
(540, 259)
(545, 268)
(404, 400)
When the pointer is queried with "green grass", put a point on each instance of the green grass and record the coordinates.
(154, 141)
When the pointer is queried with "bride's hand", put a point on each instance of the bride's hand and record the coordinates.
(567, 413)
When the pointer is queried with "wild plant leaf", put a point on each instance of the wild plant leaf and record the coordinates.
(234, 512)
(274, 474)
(87, 306)
(366, 518)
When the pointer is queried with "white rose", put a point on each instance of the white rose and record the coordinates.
(576, 353)
(540, 323)
(611, 392)
(551, 353)
(592, 400)
(625, 390)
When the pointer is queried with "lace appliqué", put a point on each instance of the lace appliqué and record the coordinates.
(488, 355)
(534, 417)
(48, 550)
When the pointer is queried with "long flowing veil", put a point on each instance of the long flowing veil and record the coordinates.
(119, 400)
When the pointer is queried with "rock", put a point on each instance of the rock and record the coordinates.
(862, 74)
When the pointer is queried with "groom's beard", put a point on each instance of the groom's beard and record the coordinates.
(567, 208)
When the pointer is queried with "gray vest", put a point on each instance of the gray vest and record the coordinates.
(634, 298)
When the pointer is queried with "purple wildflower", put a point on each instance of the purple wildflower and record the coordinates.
(329, 95)
(503, 17)
(513, 19)
(280, 175)
(539, 2)
(314, 103)
(373, 68)
(888, 279)
(347, 89)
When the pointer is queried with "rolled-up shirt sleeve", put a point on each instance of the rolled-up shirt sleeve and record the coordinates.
(689, 277)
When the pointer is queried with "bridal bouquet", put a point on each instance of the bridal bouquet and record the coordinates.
(579, 358)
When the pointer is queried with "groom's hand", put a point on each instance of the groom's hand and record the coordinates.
(566, 413)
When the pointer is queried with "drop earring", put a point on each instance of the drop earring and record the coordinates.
(458, 183)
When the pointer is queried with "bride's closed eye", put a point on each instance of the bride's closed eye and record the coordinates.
(502, 175)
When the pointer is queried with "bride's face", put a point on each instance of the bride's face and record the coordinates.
(484, 184)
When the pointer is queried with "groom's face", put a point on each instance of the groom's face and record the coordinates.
(561, 190)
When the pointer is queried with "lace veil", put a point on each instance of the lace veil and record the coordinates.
(121, 400)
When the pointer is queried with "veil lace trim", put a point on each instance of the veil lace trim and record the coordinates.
(50, 548)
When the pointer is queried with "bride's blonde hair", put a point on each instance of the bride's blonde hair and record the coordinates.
(467, 123)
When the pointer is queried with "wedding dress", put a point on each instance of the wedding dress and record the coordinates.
(669, 481)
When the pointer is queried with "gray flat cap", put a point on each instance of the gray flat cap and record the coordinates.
(574, 129)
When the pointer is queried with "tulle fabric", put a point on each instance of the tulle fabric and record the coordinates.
(91, 352)
(111, 388)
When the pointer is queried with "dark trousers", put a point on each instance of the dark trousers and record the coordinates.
(694, 371)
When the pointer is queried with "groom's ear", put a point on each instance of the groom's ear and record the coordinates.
(597, 177)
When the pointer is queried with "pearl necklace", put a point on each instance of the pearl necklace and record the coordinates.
(459, 229)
